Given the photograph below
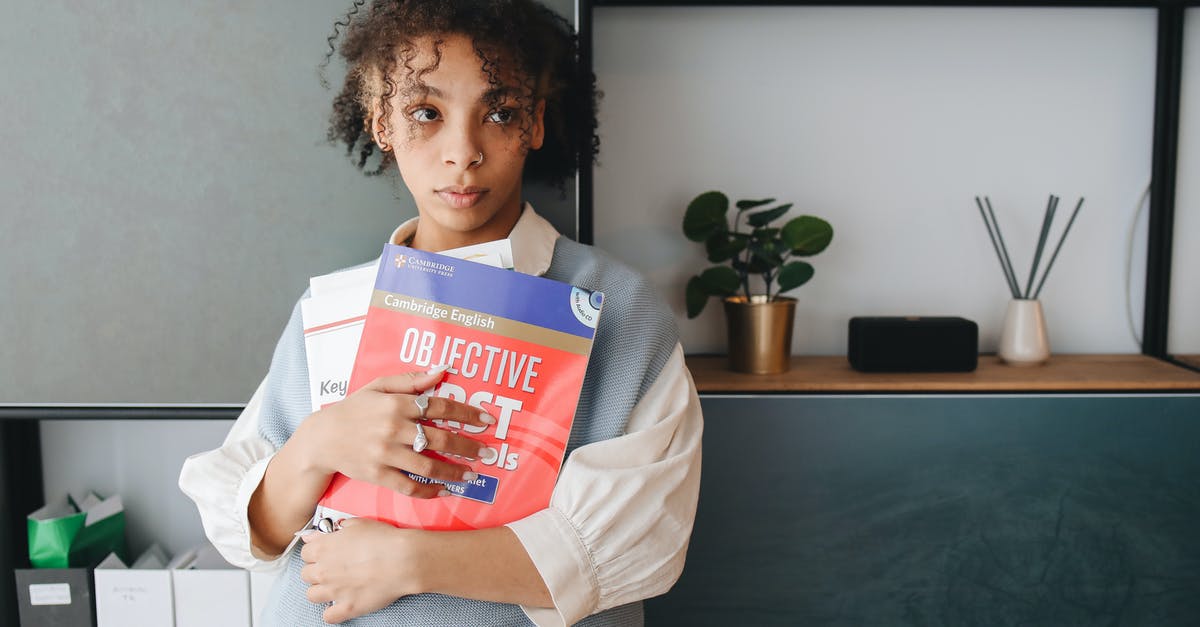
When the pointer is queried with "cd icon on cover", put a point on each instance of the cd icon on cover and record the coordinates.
(586, 306)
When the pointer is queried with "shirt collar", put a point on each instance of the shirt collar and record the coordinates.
(532, 241)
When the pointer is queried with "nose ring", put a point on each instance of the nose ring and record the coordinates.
(478, 160)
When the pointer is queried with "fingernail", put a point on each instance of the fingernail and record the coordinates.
(438, 369)
(487, 419)
(443, 493)
(470, 476)
(303, 535)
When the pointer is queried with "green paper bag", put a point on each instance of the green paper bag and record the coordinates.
(79, 532)
(52, 530)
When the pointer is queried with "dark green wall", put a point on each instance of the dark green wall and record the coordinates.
(944, 511)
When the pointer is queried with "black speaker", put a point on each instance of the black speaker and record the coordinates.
(913, 344)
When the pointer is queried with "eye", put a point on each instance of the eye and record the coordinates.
(423, 114)
(501, 116)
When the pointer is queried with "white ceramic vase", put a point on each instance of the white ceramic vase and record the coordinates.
(1023, 341)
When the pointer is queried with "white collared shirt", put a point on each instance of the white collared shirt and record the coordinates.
(621, 514)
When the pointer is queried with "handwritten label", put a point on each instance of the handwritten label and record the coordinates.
(50, 594)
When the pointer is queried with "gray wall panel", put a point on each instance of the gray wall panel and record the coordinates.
(166, 193)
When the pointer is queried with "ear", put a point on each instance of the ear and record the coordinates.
(539, 125)
(377, 128)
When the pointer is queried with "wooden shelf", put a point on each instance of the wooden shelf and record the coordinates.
(1191, 360)
(1063, 373)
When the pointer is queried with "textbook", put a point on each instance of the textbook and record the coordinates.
(334, 312)
(517, 346)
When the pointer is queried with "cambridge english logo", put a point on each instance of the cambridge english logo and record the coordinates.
(420, 264)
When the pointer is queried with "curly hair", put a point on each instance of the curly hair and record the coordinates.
(512, 38)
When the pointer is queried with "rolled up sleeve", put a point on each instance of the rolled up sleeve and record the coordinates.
(621, 515)
(221, 482)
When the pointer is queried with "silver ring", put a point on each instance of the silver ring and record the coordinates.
(478, 161)
(420, 441)
(422, 403)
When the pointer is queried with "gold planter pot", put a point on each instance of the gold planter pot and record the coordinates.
(760, 334)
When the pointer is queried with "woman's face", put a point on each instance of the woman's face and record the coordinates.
(460, 157)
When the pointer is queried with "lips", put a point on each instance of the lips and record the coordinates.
(461, 197)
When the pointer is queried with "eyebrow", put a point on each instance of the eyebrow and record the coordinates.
(429, 90)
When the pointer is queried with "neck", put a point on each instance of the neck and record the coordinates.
(429, 237)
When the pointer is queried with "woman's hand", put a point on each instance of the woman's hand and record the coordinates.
(369, 435)
(361, 568)
(367, 564)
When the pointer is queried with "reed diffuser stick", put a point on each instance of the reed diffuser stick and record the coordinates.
(1047, 219)
(1003, 249)
(1012, 286)
(1057, 248)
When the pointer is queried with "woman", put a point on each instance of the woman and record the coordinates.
(467, 99)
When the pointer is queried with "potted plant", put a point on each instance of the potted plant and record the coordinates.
(759, 319)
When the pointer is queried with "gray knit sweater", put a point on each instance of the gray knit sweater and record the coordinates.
(634, 339)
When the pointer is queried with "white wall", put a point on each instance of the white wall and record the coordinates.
(1184, 330)
(886, 122)
(140, 460)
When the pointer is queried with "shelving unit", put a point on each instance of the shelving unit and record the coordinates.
(1062, 373)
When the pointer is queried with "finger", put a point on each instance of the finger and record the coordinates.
(395, 480)
(429, 466)
(308, 574)
(462, 413)
(338, 612)
(409, 383)
(311, 548)
(319, 594)
(349, 523)
(449, 443)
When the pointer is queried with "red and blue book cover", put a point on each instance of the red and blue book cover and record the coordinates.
(517, 346)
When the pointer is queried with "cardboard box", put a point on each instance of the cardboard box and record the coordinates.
(140, 596)
(208, 591)
(55, 597)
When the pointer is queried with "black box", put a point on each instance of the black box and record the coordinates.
(913, 344)
(55, 597)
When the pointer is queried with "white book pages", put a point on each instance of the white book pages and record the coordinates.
(334, 313)
(326, 283)
(481, 253)
(333, 325)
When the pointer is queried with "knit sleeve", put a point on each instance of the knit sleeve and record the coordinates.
(621, 515)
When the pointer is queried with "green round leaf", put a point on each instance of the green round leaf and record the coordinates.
(720, 281)
(705, 216)
(794, 275)
(807, 235)
(696, 297)
(765, 234)
(763, 218)
(758, 265)
(722, 247)
(743, 205)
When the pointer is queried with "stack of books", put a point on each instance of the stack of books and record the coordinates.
(516, 346)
